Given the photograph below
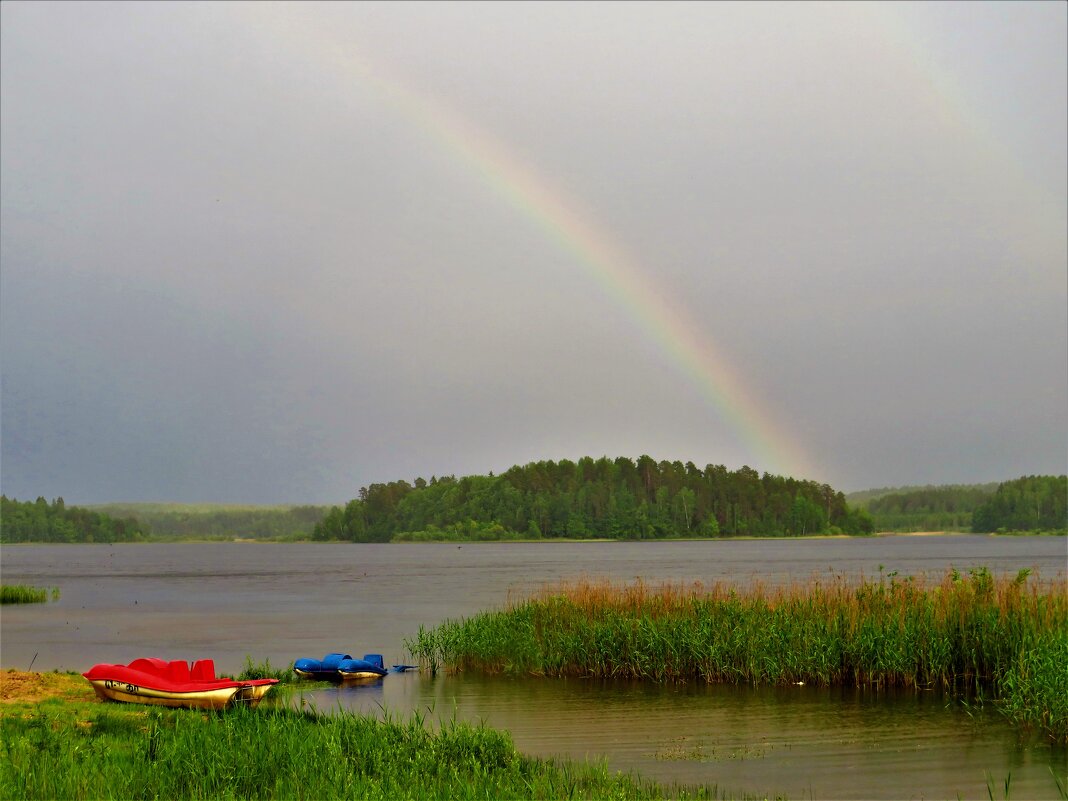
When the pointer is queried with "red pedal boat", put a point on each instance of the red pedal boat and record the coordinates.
(154, 681)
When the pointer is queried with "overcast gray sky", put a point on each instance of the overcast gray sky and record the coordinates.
(273, 253)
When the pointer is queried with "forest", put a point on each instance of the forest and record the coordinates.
(594, 498)
(587, 499)
(41, 521)
(1030, 503)
(180, 521)
(930, 508)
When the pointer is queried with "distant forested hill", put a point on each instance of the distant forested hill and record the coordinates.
(931, 508)
(861, 498)
(594, 498)
(41, 521)
(1031, 503)
(221, 521)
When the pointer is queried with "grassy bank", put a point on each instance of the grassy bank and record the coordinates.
(58, 742)
(1003, 639)
(24, 594)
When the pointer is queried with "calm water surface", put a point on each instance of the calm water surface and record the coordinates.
(229, 600)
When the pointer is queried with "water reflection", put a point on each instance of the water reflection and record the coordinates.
(803, 742)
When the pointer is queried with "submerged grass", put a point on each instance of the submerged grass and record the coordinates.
(24, 594)
(96, 750)
(1005, 638)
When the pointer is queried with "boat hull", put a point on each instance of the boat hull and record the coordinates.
(158, 683)
(254, 693)
(126, 692)
(358, 675)
(318, 675)
(340, 667)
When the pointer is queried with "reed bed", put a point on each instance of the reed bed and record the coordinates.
(1002, 638)
(24, 594)
(106, 751)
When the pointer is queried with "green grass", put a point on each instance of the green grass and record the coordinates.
(96, 750)
(24, 594)
(264, 670)
(1004, 639)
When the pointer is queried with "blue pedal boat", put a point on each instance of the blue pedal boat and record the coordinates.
(341, 667)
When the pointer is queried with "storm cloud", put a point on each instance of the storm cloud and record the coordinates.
(245, 256)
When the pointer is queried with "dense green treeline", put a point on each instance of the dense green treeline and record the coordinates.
(863, 498)
(41, 521)
(221, 522)
(942, 508)
(594, 498)
(1031, 503)
(591, 498)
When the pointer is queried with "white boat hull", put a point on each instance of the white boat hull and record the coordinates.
(252, 695)
(359, 674)
(112, 690)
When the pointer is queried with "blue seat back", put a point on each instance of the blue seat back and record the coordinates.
(374, 659)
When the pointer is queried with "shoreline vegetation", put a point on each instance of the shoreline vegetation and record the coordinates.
(1030, 503)
(585, 501)
(1003, 640)
(60, 742)
(551, 540)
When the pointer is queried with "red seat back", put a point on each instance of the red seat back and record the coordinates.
(178, 671)
(150, 665)
(204, 670)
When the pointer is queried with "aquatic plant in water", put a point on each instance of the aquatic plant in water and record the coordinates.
(24, 594)
(1006, 638)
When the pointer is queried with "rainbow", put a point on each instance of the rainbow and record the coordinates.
(662, 319)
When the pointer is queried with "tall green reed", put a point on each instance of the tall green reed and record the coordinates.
(264, 670)
(24, 594)
(1005, 637)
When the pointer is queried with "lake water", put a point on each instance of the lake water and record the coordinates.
(285, 601)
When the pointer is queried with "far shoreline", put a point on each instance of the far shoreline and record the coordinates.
(557, 540)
